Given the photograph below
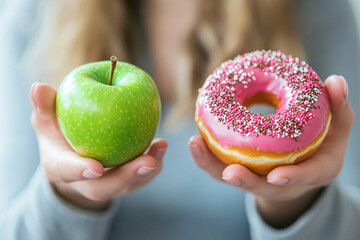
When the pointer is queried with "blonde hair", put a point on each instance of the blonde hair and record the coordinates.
(74, 32)
(229, 28)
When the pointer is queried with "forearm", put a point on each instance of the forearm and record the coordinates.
(37, 213)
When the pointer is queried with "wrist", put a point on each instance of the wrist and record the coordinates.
(75, 198)
(281, 214)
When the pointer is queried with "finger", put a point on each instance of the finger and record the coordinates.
(141, 166)
(342, 114)
(120, 181)
(68, 166)
(204, 158)
(239, 175)
(157, 148)
(242, 177)
(319, 170)
(43, 97)
(32, 90)
(316, 171)
(44, 117)
(126, 178)
(335, 142)
(137, 168)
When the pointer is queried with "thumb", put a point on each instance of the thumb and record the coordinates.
(342, 114)
(43, 97)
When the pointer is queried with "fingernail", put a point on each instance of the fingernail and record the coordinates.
(196, 150)
(90, 174)
(160, 153)
(346, 89)
(278, 181)
(144, 170)
(232, 180)
(33, 92)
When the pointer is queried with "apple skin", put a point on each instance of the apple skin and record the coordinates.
(112, 124)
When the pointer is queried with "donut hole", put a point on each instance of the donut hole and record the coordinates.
(263, 103)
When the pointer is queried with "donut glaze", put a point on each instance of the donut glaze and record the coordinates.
(290, 85)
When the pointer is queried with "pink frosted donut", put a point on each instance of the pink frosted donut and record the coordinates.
(261, 143)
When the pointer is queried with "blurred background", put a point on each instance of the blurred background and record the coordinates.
(169, 191)
(356, 8)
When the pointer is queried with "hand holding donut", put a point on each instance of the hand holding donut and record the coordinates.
(287, 191)
(82, 181)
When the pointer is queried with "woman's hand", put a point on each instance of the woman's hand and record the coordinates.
(288, 191)
(83, 181)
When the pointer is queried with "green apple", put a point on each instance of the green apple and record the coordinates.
(108, 111)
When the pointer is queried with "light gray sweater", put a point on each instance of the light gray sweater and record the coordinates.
(183, 202)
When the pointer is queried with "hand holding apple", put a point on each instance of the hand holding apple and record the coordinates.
(81, 180)
(108, 112)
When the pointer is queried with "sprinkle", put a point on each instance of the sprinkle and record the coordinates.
(305, 87)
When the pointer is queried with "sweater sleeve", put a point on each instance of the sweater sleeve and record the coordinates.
(38, 213)
(335, 215)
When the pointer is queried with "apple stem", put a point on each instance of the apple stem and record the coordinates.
(113, 66)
